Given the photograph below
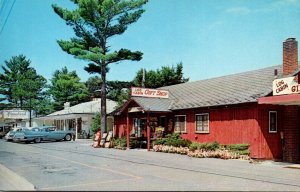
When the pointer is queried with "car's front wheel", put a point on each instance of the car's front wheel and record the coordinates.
(68, 137)
(37, 140)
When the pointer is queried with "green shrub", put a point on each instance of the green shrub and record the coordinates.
(243, 152)
(193, 146)
(134, 144)
(96, 122)
(173, 140)
(159, 142)
(213, 146)
(120, 142)
(204, 146)
(237, 147)
(241, 149)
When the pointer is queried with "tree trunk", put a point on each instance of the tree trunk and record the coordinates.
(103, 100)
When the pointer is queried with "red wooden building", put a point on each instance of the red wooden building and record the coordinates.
(238, 108)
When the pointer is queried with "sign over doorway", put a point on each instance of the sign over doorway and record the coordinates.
(145, 92)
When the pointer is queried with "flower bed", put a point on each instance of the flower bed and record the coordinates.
(173, 143)
(218, 153)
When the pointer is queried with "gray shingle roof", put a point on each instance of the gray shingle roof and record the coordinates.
(86, 107)
(231, 89)
(153, 104)
(226, 90)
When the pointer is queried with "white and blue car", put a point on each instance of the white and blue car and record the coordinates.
(45, 133)
(10, 135)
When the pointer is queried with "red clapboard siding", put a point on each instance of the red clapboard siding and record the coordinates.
(229, 125)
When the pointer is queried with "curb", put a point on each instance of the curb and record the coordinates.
(10, 181)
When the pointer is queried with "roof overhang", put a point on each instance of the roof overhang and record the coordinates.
(292, 99)
(66, 116)
(125, 105)
(135, 109)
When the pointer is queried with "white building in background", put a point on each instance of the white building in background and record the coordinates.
(13, 117)
(78, 117)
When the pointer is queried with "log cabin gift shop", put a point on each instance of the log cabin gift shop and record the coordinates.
(260, 108)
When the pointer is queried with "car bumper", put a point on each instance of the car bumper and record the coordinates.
(9, 138)
(21, 139)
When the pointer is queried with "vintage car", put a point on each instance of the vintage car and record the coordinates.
(3, 131)
(45, 133)
(9, 136)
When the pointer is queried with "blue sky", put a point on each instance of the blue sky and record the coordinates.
(210, 37)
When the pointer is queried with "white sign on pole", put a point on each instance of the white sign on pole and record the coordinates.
(285, 86)
(153, 93)
(15, 114)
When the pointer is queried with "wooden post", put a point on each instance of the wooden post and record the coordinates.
(76, 128)
(127, 131)
(65, 124)
(148, 132)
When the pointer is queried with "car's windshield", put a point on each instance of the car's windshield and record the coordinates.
(16, 129)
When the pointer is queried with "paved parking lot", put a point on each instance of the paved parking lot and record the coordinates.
(75, 165)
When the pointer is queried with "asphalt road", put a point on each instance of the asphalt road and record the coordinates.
(75, 165)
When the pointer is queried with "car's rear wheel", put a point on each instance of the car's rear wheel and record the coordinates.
(37, 140)
(68, 137)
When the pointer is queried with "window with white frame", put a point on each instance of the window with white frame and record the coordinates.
(180, 123)
(272, 121)
(202, 123)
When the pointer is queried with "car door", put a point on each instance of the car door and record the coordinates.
(55, 135)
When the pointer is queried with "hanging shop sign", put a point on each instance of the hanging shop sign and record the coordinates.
(15, 114)
(153, 93)
(285, 86)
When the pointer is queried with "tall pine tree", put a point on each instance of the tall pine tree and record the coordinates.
(66, 87)
(20, 83)
(94, 23)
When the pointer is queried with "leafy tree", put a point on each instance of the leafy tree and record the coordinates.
(95, 22)
(20, 83)
(161, 77)
(115, 88)
(123, 97)
(43, 106)
(94, 85)
(66, 87)
(96, 123)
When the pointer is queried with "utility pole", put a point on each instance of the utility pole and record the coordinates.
(30, 112)
(143, 79)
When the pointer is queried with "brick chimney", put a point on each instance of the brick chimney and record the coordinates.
(290, 56)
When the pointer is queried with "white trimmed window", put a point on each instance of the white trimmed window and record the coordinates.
(202, 123)
(180, 123)
(272, 121)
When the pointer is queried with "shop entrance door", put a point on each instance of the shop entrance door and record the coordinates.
(140, 127)
(140, 133)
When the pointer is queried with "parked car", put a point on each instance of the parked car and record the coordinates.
(9, 136)
(3, 131)
(45, 133)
